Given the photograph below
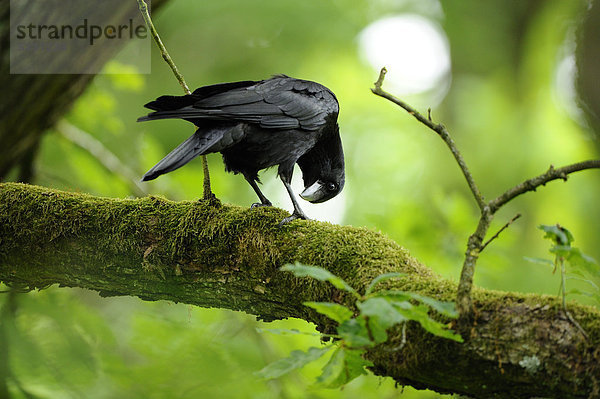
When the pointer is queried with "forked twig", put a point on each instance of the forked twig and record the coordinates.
(541, 180)
(511, 221)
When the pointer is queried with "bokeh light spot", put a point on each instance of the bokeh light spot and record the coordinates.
(414, 49)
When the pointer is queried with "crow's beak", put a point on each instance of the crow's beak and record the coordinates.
(314, 192)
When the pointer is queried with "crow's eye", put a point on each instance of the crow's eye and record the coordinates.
(331, 186)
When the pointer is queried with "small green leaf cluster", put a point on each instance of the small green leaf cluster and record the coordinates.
(581, 266)
(377, 311)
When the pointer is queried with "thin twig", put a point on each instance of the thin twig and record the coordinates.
(436, 127)
(533, 183)
(207, 192)
(511, 221)
(402, 340)
(563, 282)
(563, 293)
(163, 50)
(576, 324)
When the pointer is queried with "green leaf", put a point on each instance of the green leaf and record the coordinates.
(590, 282)
(380, 278)
(562, 250)
(558, 234)
(420, 315)
(354, 333)
(320, 274)
(540, 261)
(343, 366)
(381, 315)
(579, 260)
(394, 295)
(578, 273)
(332, 369)
(296, 360)
(382, 309)
(377, 329)
(334, 311)
(445, 308)
(579, 292)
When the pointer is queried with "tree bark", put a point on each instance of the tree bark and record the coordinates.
(214, 255)
(32, 103)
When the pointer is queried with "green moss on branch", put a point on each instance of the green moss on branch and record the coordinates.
(225, 256)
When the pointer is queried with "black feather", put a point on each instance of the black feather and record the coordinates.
(197, 144)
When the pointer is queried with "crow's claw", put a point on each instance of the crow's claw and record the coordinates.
(292, 217)
(259, 205)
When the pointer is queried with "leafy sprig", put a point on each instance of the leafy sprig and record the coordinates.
(580, 266)
(357, 331)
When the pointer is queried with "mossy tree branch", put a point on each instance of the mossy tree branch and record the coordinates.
(225, 256)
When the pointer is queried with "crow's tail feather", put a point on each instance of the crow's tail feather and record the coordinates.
(170, 103)
(197, 144)
(181, 155)
(188, 114)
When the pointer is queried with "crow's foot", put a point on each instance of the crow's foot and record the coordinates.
(293, 216)
(260, 204)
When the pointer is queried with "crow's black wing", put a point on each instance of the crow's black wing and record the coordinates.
(172, 103)
(277, 103)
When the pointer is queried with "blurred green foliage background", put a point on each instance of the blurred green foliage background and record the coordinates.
(507, 101)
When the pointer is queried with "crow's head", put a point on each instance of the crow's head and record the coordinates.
(323, 169)
(324, 188)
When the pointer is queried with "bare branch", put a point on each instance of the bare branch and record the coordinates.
(534, 183)
(436, 127)
(511, 221)
(475, 243)
(207, 192)
(464, 303)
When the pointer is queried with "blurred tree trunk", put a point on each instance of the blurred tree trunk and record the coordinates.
(213, 255)
(588, 67)
(30, 104)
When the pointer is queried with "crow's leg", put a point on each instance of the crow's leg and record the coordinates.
(298, 213)
(263, 200)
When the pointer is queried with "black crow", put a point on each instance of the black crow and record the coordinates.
(258, 124)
